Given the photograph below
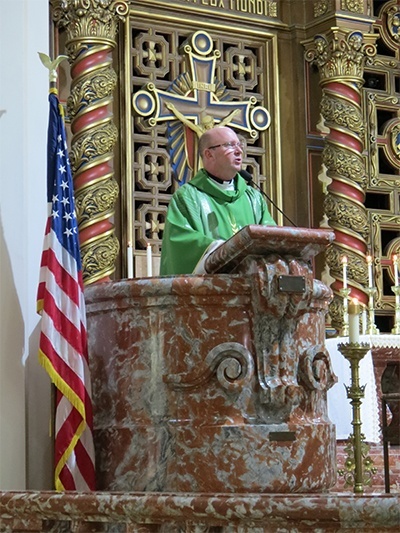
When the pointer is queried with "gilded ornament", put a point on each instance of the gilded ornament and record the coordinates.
(99, 256)
(343, 162)
(346, 214)
(95, 202)
(393, 23)
(342, 113)
(343, 55)
(90, 90)
(89, 18)
(273, 9)
(355, 6)
(321, 7)
(97, 143)
(359, 468)
(336, 312)
(190, 104)
(395, 141)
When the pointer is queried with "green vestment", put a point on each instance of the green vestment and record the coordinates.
(200, 213)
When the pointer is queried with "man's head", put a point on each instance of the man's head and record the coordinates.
(221, 152)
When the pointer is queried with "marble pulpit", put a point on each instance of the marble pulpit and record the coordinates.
(216, 383)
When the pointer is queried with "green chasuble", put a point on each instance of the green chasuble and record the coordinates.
(200, 213)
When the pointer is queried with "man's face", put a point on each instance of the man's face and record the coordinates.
(223, 161)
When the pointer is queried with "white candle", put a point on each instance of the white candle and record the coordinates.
(129, 258)
(149, 261)
(344, 263)
(364, 320)
(396, 271)
(354, 322)
(370, 276)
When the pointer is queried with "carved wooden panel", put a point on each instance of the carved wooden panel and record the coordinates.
(244, 70)
(382, 116)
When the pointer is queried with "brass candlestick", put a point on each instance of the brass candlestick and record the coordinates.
(354, 352)
(372, 329)
(396, 329)
(345, 292)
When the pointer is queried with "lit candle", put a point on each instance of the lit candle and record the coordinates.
(344, 263)
(129, 258)
(370, 277)
(354, 322)
(149, 261)
(396, 271)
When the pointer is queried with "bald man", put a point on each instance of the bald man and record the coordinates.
(212, 207)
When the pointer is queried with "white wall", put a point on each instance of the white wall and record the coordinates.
(25, 445)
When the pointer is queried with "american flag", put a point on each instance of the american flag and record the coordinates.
(60, 301)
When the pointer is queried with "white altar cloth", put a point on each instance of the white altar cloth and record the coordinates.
(339, 407)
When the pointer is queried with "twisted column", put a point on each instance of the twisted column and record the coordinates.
(340, 58)
(91, 27)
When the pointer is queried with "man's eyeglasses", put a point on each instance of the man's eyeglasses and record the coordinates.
(229, 145)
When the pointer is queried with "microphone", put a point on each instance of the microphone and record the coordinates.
(249, 178)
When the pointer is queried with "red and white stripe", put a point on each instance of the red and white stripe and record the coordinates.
(63, 353)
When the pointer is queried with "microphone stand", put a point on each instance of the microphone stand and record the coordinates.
(249, 178)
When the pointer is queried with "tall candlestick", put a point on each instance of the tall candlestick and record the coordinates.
(370, 276)
(129, 259)
(354, 321)
(344, 263)
(149, 260)
(396, 271)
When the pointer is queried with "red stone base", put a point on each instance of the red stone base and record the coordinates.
(340, 510)
(191, 513)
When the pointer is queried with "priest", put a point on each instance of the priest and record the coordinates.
(212, 207)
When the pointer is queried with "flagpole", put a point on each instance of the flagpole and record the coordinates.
(63, 350)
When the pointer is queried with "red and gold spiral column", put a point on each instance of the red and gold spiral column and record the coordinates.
(91, 27)
(340, 57)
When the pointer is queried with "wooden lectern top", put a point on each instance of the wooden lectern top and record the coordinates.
(265, 240)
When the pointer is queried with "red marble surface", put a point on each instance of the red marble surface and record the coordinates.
(212, 383)
(193, 513)
(262, 241)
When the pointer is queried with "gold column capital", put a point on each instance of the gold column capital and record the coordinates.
(90, 19)
(341, 54)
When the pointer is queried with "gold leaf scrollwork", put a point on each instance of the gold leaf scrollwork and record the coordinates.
(96, 201)
(344, 163)
(336, 312)
(100, 142)
(90, 90)
(98, 258)
(354, 6)
(342, 113)
(346, 214)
